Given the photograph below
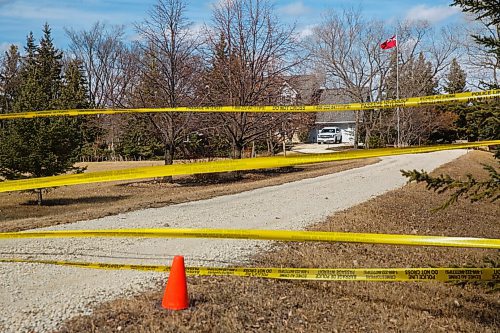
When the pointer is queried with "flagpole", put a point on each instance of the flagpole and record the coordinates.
(397, 88)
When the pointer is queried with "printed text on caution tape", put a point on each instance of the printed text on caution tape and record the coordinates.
(402, 103)
(318, 274)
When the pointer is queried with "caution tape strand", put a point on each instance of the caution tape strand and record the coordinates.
(274, 235)
(402, 103)
(314, 274)
(221, 166)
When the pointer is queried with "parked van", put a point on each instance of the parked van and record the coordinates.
(330, 135)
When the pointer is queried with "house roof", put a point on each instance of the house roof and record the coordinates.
(335, 96)
(335, 117)
(306, 86)
(310, 90)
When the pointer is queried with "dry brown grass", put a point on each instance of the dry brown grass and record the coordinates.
(18, 211)
(257, 305)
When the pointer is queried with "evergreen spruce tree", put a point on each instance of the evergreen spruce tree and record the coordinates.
(75, 95)
(74, 92)
(9, 79)
(423, 77)
(456, 78)
(216, 77)
(30, 94)
(416, 78)
(42, 147)
(455, 82)
(390, 81)
(139, 140)
(482, 123)
(49, 66)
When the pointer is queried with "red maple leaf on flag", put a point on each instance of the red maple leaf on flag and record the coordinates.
(389, 44)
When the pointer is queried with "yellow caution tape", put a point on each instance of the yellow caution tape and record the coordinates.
(402, 103)
(221, 166)
(276, 235)
(315, 274)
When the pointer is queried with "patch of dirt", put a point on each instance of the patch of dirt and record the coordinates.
(222, 304)
(18, 211)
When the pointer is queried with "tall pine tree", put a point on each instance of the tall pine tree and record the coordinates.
(416, 78)
(455, 82)
(9, 79)
(44, 146)
(74, 92)
(482, 123)
(456, 78)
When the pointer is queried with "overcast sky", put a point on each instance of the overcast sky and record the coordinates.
(19, 17)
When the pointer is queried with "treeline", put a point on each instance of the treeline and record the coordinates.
(244, 55)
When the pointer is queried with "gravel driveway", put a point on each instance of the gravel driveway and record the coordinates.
(39, 297)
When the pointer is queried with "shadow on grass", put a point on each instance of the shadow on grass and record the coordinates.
(217, 178)
(234, 177)
(278, 171)
(76, 201)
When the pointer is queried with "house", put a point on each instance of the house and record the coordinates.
(310, 90)
(345, 120)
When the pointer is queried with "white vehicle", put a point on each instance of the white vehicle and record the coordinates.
(329, 135)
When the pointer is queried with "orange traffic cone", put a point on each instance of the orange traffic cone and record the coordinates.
(176, 296)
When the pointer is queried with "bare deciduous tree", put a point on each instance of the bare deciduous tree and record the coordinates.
(482, 63)
(346, 48)
(170, 66)
(110, 70)
(106, 60)
(250, 52)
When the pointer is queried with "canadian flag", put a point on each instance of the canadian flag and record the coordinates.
(389, 44)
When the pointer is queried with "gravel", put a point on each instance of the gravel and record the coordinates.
(38, 298)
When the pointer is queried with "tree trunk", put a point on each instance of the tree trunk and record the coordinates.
(368, 129)
(39, 200)
(237, 154)
(367, 137)
(237, 151)
(269, 145)
(356, 131)
(169, 160)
